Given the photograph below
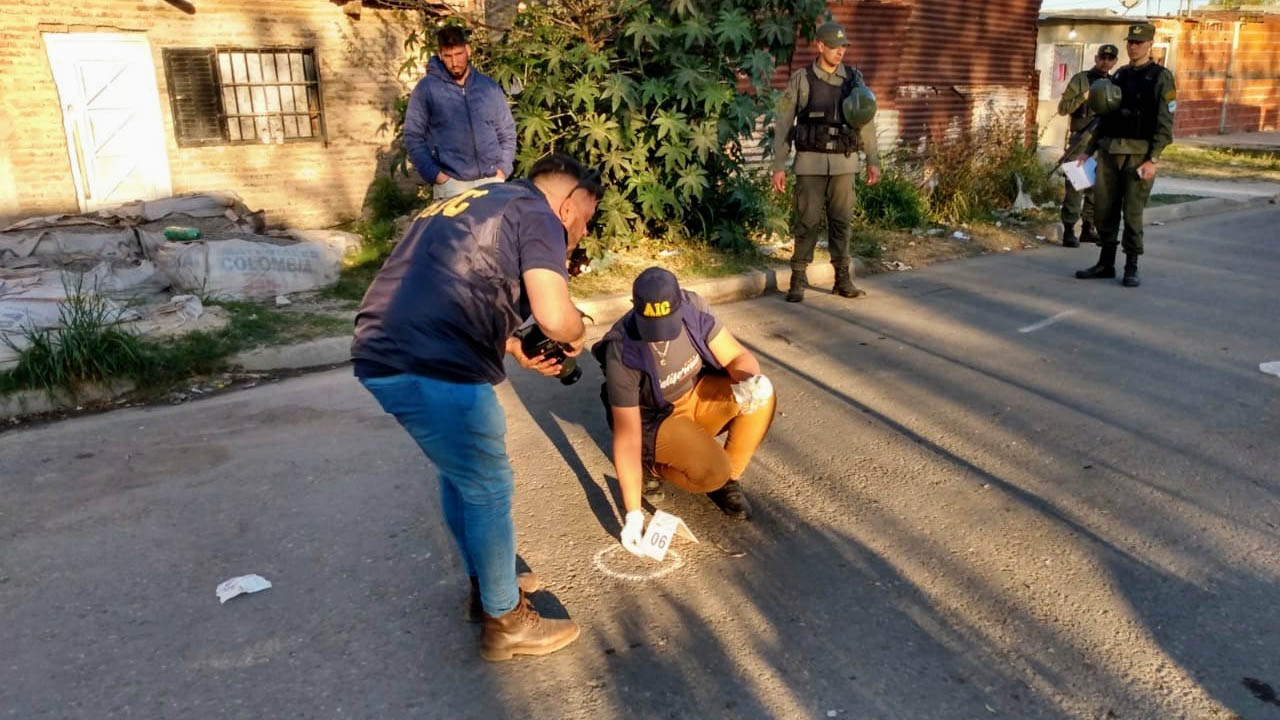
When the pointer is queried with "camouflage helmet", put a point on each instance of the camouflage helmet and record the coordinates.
(1104, 96)
(858, 107)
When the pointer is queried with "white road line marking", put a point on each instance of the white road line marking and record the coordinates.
(1046, 322)
(674, 562)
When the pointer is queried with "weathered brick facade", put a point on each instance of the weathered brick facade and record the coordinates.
(302, 184)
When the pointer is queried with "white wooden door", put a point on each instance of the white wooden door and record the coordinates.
(111, 114)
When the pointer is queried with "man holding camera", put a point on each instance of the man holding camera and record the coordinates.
(430, 338)
(675, 379)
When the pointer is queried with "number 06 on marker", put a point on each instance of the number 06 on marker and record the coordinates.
(662, 529)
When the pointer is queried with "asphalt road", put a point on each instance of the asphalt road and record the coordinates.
(992, 491)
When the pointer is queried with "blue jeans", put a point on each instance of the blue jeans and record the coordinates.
(462, 429)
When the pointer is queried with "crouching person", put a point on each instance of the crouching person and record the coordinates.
(675, 379)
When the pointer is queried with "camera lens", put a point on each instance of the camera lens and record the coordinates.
(570, 373)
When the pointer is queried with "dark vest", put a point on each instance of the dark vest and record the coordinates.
(1139, 108)
(636, 355)
(819, 125)
(447, 298)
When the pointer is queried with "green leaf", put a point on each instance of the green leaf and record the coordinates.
(705, 139)
(675, 154)
(655, 199)
(671, 123)
(777, 31)
(733, 27)
(684, 8)
(687, 77)
(536, 125)
(616, 163)
(601, 132)
(643, 32)
(759, 67)
(715, 97)
(582, 93)
(692, 183)
(654, 90)
(597, 63)
(554, 55)
(693, 31)
(620, 90)
(616, 212)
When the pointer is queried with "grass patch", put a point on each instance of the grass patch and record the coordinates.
(690, 260)
(92, 347)
(1158, 200)
(1230, 164)
(866, 243)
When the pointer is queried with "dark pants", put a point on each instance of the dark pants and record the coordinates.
(1119, 191)
(1071, 205)
(817, 196)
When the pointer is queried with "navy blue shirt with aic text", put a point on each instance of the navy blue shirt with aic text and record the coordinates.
(450, 295)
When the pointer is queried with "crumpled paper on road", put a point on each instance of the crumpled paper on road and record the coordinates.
(1270, 368)
(241, 585)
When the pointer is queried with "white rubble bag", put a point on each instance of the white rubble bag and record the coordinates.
(245, 266)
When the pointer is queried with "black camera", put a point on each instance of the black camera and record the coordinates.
(533, 342)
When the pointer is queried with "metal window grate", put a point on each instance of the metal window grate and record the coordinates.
(245, 95)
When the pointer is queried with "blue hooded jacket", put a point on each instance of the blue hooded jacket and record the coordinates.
(464, 130)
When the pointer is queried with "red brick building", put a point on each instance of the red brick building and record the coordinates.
(287, 102)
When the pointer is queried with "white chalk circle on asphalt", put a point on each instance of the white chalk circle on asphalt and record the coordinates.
(1271, 368)
(624, 568)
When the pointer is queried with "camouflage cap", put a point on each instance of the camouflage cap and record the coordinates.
(1142, 32)
(832, 35)
(1108, 50)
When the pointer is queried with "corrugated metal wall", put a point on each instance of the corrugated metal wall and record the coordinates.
(937, 65)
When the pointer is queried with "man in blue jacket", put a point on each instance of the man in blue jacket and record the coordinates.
(458, 129)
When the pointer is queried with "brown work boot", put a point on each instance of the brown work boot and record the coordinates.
(795, 293)
(524, 632)
(844, 286)
(527, 581)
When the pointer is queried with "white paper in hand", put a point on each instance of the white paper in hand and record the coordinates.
(662, 530)
(1081, 177)
(228, 589)
(751, 394)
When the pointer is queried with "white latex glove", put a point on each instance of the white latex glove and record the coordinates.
(633, 531)
(752, 393)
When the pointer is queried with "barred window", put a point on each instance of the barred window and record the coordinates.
(223, 96)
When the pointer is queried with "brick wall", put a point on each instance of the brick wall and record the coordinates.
(300, 184)
(1204, 45)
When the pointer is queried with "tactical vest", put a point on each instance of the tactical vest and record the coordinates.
(819, 125)
(1139, 107)
(636, 355)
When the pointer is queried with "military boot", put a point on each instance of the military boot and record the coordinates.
(652, 488)
(844, 286)
(527, 581)
(1104, 268)
(1131, 271)
(1069, 235)
(1088, 233)
(798, 282)
(524, 632)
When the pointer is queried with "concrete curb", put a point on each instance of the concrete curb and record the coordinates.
(1201, 208)
(38, 402)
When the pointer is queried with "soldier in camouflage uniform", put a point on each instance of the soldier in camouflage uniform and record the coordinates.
(1129, 143)
(826, 159)
(1073, 104)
